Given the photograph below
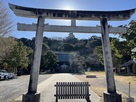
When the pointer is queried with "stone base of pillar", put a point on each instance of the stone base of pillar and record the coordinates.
(112, 97)
(129, 99)
(31, 97)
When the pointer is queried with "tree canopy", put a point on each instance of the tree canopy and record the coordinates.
(86, 52)
(18, 57)
(49, 61)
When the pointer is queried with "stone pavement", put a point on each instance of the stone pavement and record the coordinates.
(47, 89)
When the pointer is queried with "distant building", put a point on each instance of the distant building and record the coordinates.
(134, 49)
(63, 61)
(63, 58)
(128, 68)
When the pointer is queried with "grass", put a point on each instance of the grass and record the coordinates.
(123, 79)
(99, 91)
(126, 79)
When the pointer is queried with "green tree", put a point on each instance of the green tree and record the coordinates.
(98, 51)
(18, 57)
(93, 62)
(68, 47)
(121, 53)
(49, 61)
(26, 42)
(6, 46)
(77, 63)
(45, 48)
(71, 40)
(94, 41)
(130, 37)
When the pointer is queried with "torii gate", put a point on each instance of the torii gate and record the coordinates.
(40, 27)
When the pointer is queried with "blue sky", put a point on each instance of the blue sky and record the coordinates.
(94, 5)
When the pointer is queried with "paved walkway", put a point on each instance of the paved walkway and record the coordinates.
(47, 89)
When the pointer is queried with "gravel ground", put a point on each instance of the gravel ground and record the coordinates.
(47, 94)
(13, 88)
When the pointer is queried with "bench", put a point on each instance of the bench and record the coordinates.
(72, 90)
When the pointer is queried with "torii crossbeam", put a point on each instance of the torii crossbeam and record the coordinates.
(75, 29)
(40, 27)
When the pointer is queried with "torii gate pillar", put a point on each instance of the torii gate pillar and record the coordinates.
(32, 95)
(110, 95)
